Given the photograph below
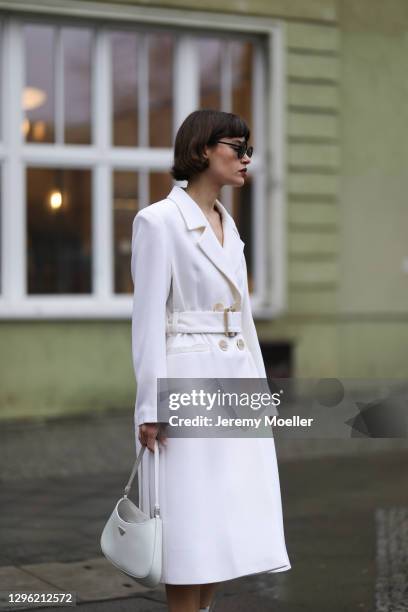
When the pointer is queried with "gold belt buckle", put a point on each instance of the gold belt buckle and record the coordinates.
(227, 331)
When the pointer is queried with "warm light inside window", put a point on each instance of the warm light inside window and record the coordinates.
(39, 130)
(25, 126)
(33, 97)
(56, 200)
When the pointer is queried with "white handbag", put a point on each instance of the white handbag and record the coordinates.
(131, 540)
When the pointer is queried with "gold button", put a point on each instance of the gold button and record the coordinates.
(223, 344)
(218, 306)
(240, 343)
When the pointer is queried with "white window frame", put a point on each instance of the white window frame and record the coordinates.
(268, 163)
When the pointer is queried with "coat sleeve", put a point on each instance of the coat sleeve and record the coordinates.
(151, 275)
(248, 327)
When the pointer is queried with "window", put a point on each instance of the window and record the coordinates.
(142, 88)
(58, 231)
(89, 115)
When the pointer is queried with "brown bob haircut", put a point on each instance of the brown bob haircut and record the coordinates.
(200, 129)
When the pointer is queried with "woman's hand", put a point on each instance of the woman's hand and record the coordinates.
(148, 432)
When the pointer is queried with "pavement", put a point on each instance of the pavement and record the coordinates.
(345, 516)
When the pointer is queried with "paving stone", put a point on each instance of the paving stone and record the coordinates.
(391, 592)
(128, 604)
(17, 579)
(91, 579)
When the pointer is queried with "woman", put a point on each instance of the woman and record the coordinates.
(219, 497)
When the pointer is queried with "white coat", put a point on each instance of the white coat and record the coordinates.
(220, 498)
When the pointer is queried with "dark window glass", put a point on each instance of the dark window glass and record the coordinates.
(160, 90)
(38, 95)
(125, 207)
(243, 215)
(160, 185)
(58, 231)
(209, 54)
(125, 70)
(77, 85)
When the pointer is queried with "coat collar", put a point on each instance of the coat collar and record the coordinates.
(227, 258)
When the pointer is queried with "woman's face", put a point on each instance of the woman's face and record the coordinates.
(225, 168)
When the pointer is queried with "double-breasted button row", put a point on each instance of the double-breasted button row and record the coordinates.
(223, 344)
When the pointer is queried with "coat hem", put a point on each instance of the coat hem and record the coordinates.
(240, 574)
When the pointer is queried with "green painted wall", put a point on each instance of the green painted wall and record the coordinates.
(321, 10)
(347, 205)
(374, 186)
(51, 368)
(373, 296)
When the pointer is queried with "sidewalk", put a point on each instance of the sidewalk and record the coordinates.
(59, 481)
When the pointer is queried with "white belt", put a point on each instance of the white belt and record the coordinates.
(226, 322)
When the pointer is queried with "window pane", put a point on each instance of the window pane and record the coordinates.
(160, 89)
(242, 211)
(124, 47)
(77, 85)
(160, 185)
(1, 80)
(125, 207)
(38, 95)
(209, 53)
(58, 230)
(1, 230)
(241, 53)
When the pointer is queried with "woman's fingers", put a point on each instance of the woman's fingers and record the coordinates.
(162, 435)
(162, 439)
(148, 432)
(151, 439)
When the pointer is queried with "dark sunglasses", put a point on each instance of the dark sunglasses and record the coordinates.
(241, 149)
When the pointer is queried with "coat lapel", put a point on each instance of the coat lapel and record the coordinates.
(226, 258)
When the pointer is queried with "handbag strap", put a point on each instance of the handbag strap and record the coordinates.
(156, 476)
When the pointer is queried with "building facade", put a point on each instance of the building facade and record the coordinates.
(92, 94)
